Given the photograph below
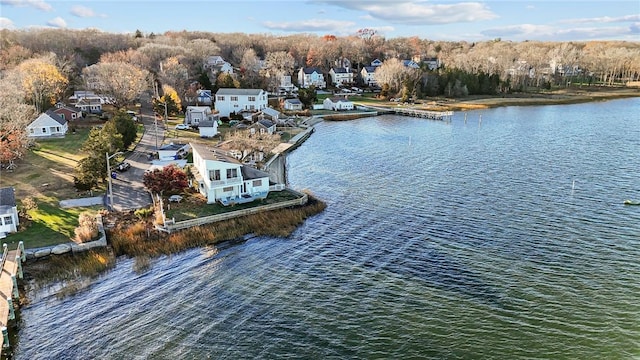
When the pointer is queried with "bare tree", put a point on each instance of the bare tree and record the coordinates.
(121, 81)
(15, 115)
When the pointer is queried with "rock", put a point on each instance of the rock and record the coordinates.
(61, 249)
(30, 255)
(42, 253)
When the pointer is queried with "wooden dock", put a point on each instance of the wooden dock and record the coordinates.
(413, 112)
(11, 271)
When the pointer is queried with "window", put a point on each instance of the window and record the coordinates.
(232, 173)
(31, 130)
(214, 175)
(8, 220)
(57, 128)
(252, 107)
(220, 98)
(62, 116)
(234, 98)
(257, 183)
(44, 130)
(227, 189)
(252, 98)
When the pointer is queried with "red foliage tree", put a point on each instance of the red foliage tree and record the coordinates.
(169, 179)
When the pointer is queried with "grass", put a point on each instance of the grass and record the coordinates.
(138, 240)
(195, 206)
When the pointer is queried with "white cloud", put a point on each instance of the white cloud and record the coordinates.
(84, 12)
(550, 33)
(57, 22)
(6, 23)
(604, 19)
(38, 4)
(419, 12)
(309, 25)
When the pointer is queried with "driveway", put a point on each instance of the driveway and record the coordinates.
(128, 191)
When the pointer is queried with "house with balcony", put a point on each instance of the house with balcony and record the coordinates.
(222, 178)
(311, 76)
(368, 74)
(230, 100)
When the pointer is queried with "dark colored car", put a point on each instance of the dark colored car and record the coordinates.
(123, 166)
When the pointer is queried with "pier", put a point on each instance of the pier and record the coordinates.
(11, 272)
(413, 112)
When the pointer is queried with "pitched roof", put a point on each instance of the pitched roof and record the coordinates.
(271, 112)
(311, 70)
(233, 91)
(293, 101)
(266, 123)
(206, 123)
(67, 108)
(7, 196)
(340, 70)
(212, 153)
(172, 147)
(249, 173)
(370, 69)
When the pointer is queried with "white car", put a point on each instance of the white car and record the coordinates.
(175, 198)
(182, 127)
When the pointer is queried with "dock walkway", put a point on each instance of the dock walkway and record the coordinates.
(11, 271)
(413, 112)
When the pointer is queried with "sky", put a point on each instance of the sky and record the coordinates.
(468, 20)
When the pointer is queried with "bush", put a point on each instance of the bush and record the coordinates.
(143, 213)
(87, 229)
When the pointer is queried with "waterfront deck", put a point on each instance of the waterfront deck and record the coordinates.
(413, 112)
(11, 271)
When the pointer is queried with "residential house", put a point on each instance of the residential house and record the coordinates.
(48, 124)
(341, 76)
(230, 100)
(222, 178)
(286, 86)
(193, 115)
(172, 151)
(368, 75)
(89, 95)
(68, 113)
(208, 128)
(271, 114)
(410, 64)
(432, 63)
(91, 106)
(308, 76)
(292, 104)
(263, 127)
(9, 220)
(376, 62)
(337, 103)
(216, 65)
(204, 97)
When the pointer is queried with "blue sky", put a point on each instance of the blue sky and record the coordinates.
(468, 20)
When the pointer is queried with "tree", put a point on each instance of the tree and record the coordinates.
(121, 81)
(250, 68)
(308, 96)
(126, 127)
(226, 80)
(42, 82)
(172, 99)
(276, 65)
(15, 115)
(93, 168)
(169, 179)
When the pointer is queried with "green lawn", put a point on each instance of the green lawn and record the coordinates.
(195, 209)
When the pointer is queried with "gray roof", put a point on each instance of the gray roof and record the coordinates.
(293, 101)
(370, 69)
(206, 123)
(265, 123)
(311, 70)
(7, 196)
(249, 173)
(59, 119)
(212, 153)
(233, 91)
(340, 70)
(172, 146)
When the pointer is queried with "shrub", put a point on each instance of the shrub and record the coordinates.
(143, 213)
(87, 229)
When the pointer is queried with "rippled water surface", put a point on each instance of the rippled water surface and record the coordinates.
(503, 238)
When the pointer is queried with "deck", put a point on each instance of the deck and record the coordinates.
(11, 272)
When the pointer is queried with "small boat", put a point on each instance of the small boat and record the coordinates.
(631, 202)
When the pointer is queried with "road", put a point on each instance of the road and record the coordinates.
(128, 191)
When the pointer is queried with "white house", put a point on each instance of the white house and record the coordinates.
(229, 100)
(9, 220)
(92, 106)
(208, 128)
(89, 95)
(340, 76)
(216, 64)
(193, 115)
(286, 86)
(308, 76)
(222, 178)
(48, 124)
(432, 63)
(368, 75)
(172, 151)
(337, 103)
(204, 97)
(292, 104)
(410, 64)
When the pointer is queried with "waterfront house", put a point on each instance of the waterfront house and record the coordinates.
(337, 103)
(9, 220)
(222, 178)
(208, 128)
(47, 124)
(271, 114)
(263, 127)
(341, 76)
(230, 100)
(311, 76)
(286, 86)
(368, 75)
(193, 115)
(68, 113)
(292, 104)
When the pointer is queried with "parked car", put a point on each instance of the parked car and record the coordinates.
(182, 127)
(123, 166)
(175, 198)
